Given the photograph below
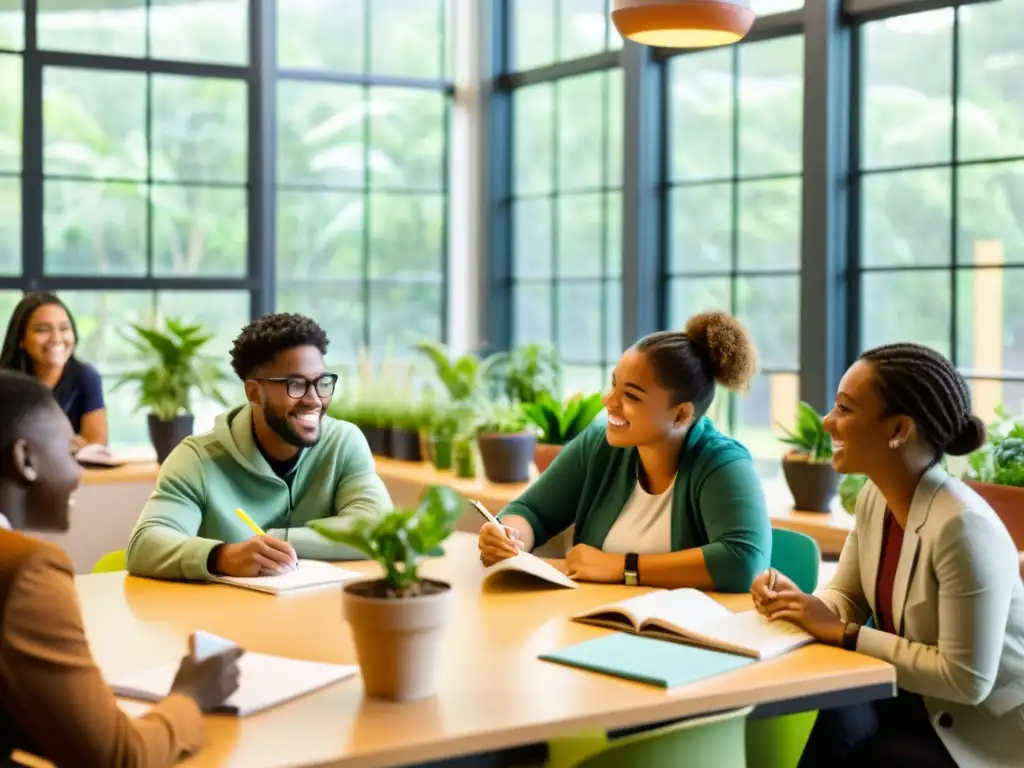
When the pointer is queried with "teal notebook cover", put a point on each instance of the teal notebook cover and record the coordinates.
(647, 660)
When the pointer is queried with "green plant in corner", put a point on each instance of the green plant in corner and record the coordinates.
(560, 422)
(400, 538)
(1001, 460)
(808, 439)
(502, 419)
(175, 369)
(463, 376)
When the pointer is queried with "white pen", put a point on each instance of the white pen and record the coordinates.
(486, 513)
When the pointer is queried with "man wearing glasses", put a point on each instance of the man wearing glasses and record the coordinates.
(270, 465)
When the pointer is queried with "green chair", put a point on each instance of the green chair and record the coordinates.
(715, 740)
(778, 742)
(110, 562)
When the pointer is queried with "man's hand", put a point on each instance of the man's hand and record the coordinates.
(258, 556)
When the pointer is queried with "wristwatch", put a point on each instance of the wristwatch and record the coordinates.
(631, 575)
(851, 632)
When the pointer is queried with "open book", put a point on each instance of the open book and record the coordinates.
(310, 574)
(264, 681)
(690, 616)
(531, 565)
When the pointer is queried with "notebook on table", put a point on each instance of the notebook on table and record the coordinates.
(308, 575)
(264, 681)
(690, 616)
(648, 660)
(531, 565)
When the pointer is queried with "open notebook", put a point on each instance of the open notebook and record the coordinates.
(264, 681)
(310, 574)
(531, 565)
(690, 616)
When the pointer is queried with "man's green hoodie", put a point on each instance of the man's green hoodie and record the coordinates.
(209, 476)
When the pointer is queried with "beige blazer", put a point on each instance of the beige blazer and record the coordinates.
(958, 604)
(54, 702)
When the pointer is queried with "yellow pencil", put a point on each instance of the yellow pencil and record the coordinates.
(249, 522)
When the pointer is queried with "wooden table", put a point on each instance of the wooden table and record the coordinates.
(495, 693)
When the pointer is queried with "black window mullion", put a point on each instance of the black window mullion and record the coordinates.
(734, 201)
(605, 144)
(149, 160)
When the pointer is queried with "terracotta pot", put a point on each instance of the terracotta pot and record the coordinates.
(1008, 503)
(544, 454)
(812, 484)
(399, 640)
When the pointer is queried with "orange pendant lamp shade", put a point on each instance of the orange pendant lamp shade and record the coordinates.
(682, 23)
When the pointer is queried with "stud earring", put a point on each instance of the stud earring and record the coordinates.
(894, 443)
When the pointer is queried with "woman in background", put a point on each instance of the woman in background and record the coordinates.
(931, 563)
(54, 702)
(658, 496)
(40, 341)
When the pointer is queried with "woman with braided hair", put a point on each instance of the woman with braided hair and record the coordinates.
(930, 564)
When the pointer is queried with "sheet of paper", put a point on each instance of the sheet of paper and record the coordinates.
(264, 682)
(528, 563)
(310, 574)
(202, 645)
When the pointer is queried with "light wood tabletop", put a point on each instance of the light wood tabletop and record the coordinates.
(132, 472)
(495, 692)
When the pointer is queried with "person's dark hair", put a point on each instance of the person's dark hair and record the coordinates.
(12, 356)
(21, 397)
(261, 340)
(713, 347)
(918, 382)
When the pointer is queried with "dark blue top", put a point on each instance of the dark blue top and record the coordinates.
(79, 391)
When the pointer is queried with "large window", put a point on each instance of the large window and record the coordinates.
(549, 31)
(566, 213)
(941, 181)
(362, 151)
(733, 215)
(132, 199)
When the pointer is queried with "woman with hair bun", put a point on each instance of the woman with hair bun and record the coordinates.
(930, 564)
(657, 495)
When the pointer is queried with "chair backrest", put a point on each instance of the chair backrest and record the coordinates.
(112, 561)
(716, 740)
(797, 556)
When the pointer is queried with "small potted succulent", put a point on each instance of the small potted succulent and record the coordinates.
(808, 464)
(398, 621)
(996, 472)
(560, 422)
(507, 441)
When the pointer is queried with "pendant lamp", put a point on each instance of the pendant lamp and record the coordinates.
(683, 23)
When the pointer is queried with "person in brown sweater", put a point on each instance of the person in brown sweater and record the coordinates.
(54, 703)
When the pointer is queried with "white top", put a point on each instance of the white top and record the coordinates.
(644, 525)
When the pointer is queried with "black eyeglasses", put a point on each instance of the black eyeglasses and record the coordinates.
(297, 386)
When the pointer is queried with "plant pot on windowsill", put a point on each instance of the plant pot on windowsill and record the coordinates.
(166, 435)
(398, 622)
(464, 458)
(545, 453)
(1008, 503)
(507, 456)
(812, 483)
(405, 444)
(379, 439)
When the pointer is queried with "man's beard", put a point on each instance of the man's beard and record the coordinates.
(281, 428)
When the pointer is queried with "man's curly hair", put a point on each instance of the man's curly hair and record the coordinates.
(261, 340)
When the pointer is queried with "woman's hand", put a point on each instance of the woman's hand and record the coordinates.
(498, 543)
(768, 585)
(586, 563)
(807, 612)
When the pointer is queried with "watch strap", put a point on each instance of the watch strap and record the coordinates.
(632, 569)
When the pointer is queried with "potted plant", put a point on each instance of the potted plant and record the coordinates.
(398, 621)
(175, 369)
(463, 377)
(507, 442)
(808, 464)
(996, 472)
(404, 435)
(560, 422)
(849, 489)
(464, 455)
(527, 373)
(441, 434)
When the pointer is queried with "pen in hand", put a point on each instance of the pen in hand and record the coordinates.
(514, 546)
(256, 530)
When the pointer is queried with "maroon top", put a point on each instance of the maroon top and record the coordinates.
(892, 543)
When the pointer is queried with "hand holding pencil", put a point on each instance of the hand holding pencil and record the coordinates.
(261, 555)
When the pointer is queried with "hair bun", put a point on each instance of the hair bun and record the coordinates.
(727, 345)
(970, 438)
